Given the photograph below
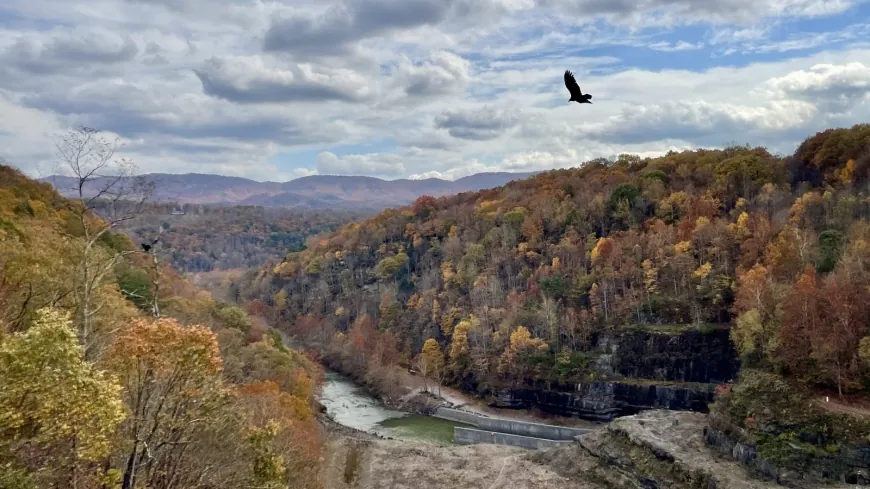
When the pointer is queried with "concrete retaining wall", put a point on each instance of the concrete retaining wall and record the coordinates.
(468, 436)
(458, 416)
(535, 430)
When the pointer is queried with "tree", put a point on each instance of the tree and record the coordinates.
(282, 437)
(742, 175)
(172, 386)
(431, 361)
(830, 245)
(389, 267)
(459, 349)
(36, 270)
(802, 318)
(234, 317)
(520, 354)
(98, 177)
(55, 406)
(835, 347)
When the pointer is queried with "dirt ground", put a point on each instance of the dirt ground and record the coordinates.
(392, 464)
(358, 460)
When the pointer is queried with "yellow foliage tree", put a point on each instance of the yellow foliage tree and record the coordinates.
(516, 359)
(53, 400)
(431, 361)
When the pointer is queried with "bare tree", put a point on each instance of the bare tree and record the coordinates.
(98, 177)
(155, 269)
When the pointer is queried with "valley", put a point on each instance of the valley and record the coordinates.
(619, 288)
(709, 329)
(434, 244)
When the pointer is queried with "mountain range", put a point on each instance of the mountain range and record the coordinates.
(318, 191)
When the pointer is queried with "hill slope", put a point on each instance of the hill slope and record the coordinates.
(319, 191)
(78, 335)
(617, 286)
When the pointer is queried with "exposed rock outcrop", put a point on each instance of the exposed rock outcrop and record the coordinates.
(847, 464)
(642, 368)
(678, 355)
(657, 450)
(604, 401)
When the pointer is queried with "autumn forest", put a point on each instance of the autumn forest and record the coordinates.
(515, 286)
(119, 372)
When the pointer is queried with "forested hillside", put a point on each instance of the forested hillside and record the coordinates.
(117, 374)
(202, 238)
(517, 286)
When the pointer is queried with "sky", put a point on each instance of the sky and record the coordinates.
(276, 90)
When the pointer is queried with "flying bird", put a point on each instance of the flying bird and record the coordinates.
(574, 89)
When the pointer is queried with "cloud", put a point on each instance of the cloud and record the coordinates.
(702, 121)
(134, 110)
(435, 87)
(666, 46)
(335, 31)
(694, 11)
(477, 124)
(249, 80)
(376, 164)
(426, 140)
(68, 50)
(442, 73)
(834, 88)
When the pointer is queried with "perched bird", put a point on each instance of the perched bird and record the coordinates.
(146, 247)
(574, 89)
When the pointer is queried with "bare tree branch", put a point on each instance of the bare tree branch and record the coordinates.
(98, 177)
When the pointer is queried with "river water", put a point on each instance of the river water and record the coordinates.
(351, 406)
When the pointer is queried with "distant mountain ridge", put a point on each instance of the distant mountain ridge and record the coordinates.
(317, 191)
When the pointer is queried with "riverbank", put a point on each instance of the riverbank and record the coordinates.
(348, 404)
(400, 390)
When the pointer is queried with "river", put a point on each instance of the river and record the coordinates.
(350, 405)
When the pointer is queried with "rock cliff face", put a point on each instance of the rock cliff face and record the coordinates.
(643, 369)
(603, 401)
(849, 464)
(657, 450)
(689, 356)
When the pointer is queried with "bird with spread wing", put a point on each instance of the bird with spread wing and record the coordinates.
(574, 89)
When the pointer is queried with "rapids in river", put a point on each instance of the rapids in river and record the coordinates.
(350, 405)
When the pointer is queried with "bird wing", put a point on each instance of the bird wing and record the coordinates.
(572, 85)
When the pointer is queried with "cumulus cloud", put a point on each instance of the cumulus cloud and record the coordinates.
(250, 80)
(340, 26)
(380, 164)
(834, 88)
(68, 50)
(455, 86)
(442, 73)
(702, 121)
(477, 124)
